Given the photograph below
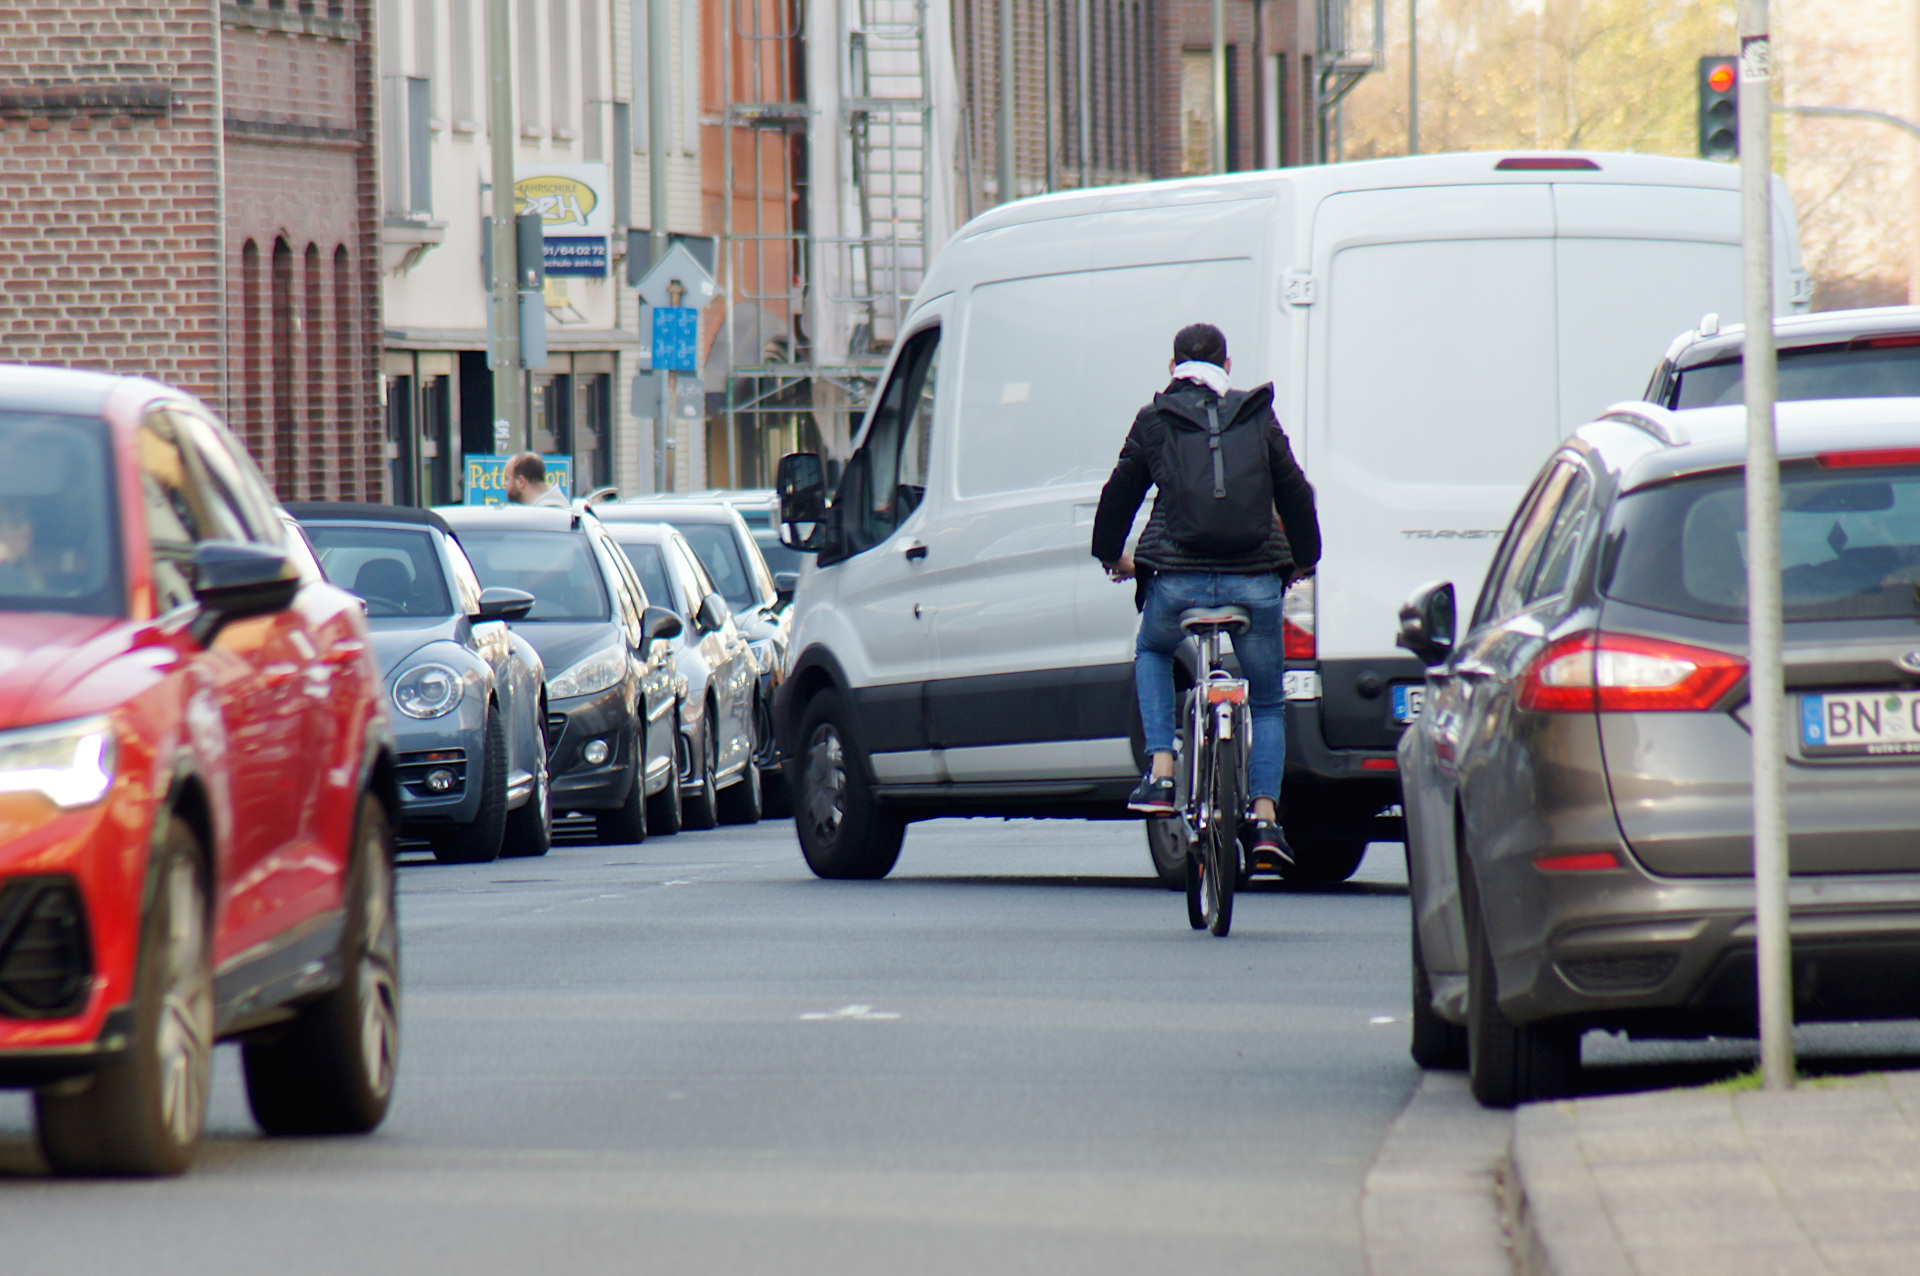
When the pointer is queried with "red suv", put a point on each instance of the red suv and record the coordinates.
(196, 789)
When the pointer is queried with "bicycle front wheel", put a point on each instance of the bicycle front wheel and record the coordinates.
(1228, 799)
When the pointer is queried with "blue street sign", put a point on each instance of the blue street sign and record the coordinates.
(676, 334)
(487, 477)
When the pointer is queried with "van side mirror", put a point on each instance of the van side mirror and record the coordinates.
(784, 583)
(233, 580)
(1426, 623)
(802, 485)
(497, 602)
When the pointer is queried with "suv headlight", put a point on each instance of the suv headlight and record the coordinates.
(603, 669)
(70, 763)
(428, 691)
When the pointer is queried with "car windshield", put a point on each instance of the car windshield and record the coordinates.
(720, 554)
(651, 568)
(1819, 372)
(557, 568)
(779, 557)
(59, 537)
(394, 569)
(1849, 546)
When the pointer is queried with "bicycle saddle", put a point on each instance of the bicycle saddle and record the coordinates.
(1230, 619)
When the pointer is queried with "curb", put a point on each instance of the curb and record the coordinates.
(1552, 1206)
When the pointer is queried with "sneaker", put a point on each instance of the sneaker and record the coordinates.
(1267, 839)
(1152, 796)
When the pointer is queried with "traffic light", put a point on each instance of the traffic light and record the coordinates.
(1719, 108)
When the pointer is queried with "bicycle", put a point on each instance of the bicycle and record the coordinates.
(1211, 779)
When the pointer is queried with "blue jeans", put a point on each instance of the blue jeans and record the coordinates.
(1262, 663)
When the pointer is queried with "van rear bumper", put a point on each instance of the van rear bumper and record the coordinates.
(1337, 794)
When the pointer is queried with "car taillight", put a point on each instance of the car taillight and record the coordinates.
(1868, 458)
(1626, 673)
(1296, 622)
(1578, 862)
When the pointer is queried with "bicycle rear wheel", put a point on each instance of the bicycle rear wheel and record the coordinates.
(1229, 799)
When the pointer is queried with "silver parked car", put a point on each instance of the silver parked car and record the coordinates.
(1837, 354)
(1578, 780)
(469, 695)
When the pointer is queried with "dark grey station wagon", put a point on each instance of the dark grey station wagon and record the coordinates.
(1578, 784)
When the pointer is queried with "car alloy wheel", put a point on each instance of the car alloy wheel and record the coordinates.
(824, 803)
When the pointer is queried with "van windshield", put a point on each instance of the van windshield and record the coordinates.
(1817, 372)
(1849, 546)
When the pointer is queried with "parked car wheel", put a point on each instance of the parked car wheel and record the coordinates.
(626, 824)
(700, 807)
(740, 802)
(1168, 852)
(331, 1070)
(529, 831)
(143, 1113)
(776, 801)
(1509, 1063)
(665, 814)
(479, 842)
(1437, 1044)
(843, 832)
(1324, 863)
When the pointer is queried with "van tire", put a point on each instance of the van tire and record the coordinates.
(844, 833)
(1168, 854)
(1324, 863)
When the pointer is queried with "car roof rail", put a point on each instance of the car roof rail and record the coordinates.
(1660, 422)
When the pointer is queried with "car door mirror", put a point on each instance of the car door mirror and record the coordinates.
(784, 583)
(497, 602)
(659, 624)
(713, 613)
(1426, 623)
(233, 580)
(802, 484)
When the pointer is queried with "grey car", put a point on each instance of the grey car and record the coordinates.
(1577, 783)
(719, 782)
(1838, 354)
(720, 536)
(468, 694)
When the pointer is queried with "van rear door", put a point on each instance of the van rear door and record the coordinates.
(1432, 400)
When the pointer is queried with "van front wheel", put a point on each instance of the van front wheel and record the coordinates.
(844, 832)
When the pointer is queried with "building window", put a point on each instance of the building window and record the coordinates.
(560, 56)
(285, 427)
(460, 66)
(1196, 111)
(531, 121)
(346, 371)
(253, 374)
(320, 470)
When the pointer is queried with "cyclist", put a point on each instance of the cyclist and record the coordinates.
(1223, 471)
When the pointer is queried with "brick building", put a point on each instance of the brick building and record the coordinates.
(191, 196)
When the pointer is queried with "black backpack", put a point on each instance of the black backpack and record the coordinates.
(1219, 498)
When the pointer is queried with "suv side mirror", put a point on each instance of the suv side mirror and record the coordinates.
(802, 485)
(658, 624)
(713, 613)
(1426, 623)
(233, 580)
(784, 583)
(497, 602)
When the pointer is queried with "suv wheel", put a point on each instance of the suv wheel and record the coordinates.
(843, 832)
(1509, 1063)
(1324, 863)
(1437, 1044)
(143, 1113)
(700, 806)
(479, 842)
(331, 1070)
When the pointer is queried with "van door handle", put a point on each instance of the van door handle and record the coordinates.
(916, 552)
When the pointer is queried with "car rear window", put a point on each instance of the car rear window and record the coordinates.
(557, 568)
(1819, 372)
(59, 536)
(395, 570)
(1849, 546)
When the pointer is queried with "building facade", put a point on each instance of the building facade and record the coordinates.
(191, 197)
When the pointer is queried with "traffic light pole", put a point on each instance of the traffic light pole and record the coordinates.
(1766, 684)
(509, 406)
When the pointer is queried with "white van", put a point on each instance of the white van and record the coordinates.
(1433, 327)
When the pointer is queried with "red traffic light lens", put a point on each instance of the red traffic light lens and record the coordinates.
(1720, 79)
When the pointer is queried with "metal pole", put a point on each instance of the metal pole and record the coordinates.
(509, 385)
(1219, 86)
(1007, 177)
(1083, 55)
(1046, 81)
(1413, 77)
(659, 123)
(1767, 691)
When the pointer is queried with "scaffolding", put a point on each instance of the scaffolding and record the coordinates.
(830, 169)
(1341, 68)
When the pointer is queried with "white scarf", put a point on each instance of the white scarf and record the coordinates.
(1210, 375)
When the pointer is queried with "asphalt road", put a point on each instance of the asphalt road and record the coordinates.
(691, 1056)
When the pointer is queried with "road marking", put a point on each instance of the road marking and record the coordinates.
(1379, 1020)
(680, 881)
(851, 1012)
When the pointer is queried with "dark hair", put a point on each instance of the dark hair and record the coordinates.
(528, 466)
(1200, 342)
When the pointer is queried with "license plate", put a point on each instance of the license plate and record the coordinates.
(1861, 723)
(1408, 697)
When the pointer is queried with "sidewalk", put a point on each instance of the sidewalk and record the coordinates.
(1824, 1179)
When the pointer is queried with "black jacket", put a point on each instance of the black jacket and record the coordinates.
(1288, 552)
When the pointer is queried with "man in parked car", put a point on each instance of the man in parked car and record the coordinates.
(1223, 470)
(527, 482)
